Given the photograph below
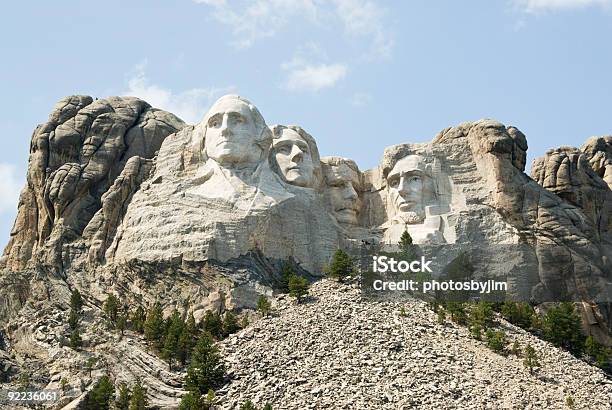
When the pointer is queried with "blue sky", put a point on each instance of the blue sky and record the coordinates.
(359, 75)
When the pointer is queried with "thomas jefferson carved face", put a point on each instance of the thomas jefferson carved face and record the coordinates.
(406, 188)
(232, 133)
(342, 182)
(294, 159)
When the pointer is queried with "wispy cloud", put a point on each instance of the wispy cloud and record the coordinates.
(541, 6)
(310, 71)
(190, 105)
(9, 188)
(253, 20)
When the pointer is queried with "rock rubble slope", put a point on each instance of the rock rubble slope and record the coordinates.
(340, 352)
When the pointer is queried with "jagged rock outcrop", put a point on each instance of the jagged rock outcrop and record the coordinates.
(75, 158)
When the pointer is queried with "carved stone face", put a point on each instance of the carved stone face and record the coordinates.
(406, 188)
(294, 158)
(342, 182)
(231, 133)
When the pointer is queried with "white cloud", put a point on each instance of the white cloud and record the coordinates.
(254, 20)
(539, 6)
(10, 187)
(315, 77)
(190, 105)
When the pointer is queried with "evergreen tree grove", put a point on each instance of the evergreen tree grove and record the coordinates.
(341, 265)
(206, 369)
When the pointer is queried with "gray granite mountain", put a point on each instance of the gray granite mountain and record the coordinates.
(126, 199)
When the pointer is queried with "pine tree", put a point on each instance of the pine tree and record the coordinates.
(268, 406)
(341, 265)
(570, 402)
(406, 247)
(123, 400)
(230, 324)
(192, 401)
(75, 339)
(101, 396)
(138, 319)
(187, 339)
(298, 287)
(263, 305)
(206, 369)
(111, 308)
(170, 351)
(76, 301)
(90, 363)
(248, 405)
(496, 340)
(286, 273)
(562, 327)
(139, 397)
(531, 358)
(213, 324)
(121, 323)
(73, 320)
(154, 326)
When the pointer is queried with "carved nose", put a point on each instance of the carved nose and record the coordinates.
(297, 155)
(349, 192)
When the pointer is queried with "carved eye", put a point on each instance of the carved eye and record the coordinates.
(213, 123)
(415, 179)
(394, 182)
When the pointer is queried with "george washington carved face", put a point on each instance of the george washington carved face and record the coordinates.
(235, 132)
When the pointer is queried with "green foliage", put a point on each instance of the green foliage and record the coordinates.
(123, 400)
(187, 339)
(170, 351)
(121, 323)
(570, 402)
(562, 327)
(213, 324)
(75, 339)
(496, 340)
(90, 363)
(139, 397)
(154, 328)
(402, 311)
(268, 406)
(111, 308)
(192, 401)
(457, 312)
(206, 369)
(298, 287)
(263, 305)
(73, 319)
(76, 301)
(24, 380)
(519, 314)
(406, 247)
(63, 384)
(230, 324)
(286, 273)
(138, 319)
(101, 396)
(341, 265)
(248, 405)
(598, 354)
(531, 358)
(516, 348)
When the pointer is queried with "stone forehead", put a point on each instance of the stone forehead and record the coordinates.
(289, 134)
(229, 104)
(409, 163)
(341, 172)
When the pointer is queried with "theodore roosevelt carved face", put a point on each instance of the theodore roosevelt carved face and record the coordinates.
(341, 186)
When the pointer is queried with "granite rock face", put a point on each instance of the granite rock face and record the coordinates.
(75, 158)
(126, 199)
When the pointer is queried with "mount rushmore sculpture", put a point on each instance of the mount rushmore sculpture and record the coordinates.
(115, 183)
